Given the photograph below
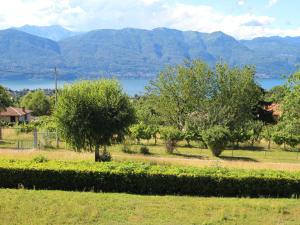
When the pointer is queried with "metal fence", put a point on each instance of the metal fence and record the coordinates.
(22, 139)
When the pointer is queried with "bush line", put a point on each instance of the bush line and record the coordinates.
(141, 178)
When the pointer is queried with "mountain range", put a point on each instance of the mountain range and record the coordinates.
(33, 52)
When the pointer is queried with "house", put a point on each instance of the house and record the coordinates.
(274, 108)
(15, 115)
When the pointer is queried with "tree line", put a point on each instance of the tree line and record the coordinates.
(216, 107)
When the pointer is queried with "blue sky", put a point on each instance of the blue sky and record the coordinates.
(243, 19)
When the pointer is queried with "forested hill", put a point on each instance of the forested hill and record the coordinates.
(135, 52)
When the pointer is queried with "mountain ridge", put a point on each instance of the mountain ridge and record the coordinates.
(131, 52)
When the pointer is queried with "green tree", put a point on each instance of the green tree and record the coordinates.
(276, 94)
(36, 101)
(171, 135)
(267, 134)
(254, 129)
(90, 113)
(141, 131)
(5, 101)
(179, 91)
(216, 138)
(289, 123)
(193, 92)
(5, 98)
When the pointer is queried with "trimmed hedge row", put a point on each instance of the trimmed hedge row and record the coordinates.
(139, 178)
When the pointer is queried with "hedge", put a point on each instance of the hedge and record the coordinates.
(141, 178)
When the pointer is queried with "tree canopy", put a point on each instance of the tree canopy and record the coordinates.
(36, 101)
(90, 113)
(5, 98)
(194, 96)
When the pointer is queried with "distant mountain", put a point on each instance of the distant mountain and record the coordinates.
(139, 53)
(24, 52)
(55, 32)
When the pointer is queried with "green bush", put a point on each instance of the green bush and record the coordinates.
(144, 150)
(126, 149)
(40, 159)
(141, 131)
(171, 135)
(141, 178)
(105, 157)
(216, 138)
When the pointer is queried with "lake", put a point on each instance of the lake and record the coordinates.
(131, 86)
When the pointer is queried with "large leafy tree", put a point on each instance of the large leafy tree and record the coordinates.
(38, 102)
(194, 97)
(276, 94)
(290, 120)
(193, 92)
(90, 113)
(181, 90)
(5, 98)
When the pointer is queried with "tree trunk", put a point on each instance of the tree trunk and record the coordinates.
(97, 154)
(188, 142)
(155, 139)
(0, 133)
(269, 144)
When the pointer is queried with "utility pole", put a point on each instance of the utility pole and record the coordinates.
(55, 79)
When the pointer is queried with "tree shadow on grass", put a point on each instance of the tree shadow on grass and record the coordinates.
(251, 148)
(232, 158)
(190, 156)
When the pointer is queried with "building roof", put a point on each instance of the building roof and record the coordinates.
(274, 109)
(13, 111)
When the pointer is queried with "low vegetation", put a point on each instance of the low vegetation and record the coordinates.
(141, 178)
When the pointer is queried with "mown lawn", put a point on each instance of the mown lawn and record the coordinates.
(246, 159)
(57, 207)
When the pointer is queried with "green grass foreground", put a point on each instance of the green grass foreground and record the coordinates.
(58, 207)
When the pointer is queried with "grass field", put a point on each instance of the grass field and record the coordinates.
(256, 158)
(185, 157)
(57, 207)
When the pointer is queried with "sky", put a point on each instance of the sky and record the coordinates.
(242, 19)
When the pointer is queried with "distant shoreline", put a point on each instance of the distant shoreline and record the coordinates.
(131, 85)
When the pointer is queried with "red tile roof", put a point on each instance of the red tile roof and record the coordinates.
(13, 111)
(275, 109)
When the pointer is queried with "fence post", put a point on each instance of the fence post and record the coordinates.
(35, 139)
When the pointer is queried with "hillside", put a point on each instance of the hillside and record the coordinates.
(138, 53)
(24, 52)
(55, 32)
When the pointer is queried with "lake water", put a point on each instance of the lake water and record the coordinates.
(131, 86)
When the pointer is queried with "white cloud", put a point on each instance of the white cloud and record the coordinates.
(241, 2)
(272, 3)
(95, 14)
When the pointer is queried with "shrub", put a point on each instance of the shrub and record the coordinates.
(40, 159)
(126, 149)
(105, 157)
(216, 139)
(171, 136)
(141, 178)
(144, 150)
(141, 131)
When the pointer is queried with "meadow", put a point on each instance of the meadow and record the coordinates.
(57, 207)
(246, 158)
